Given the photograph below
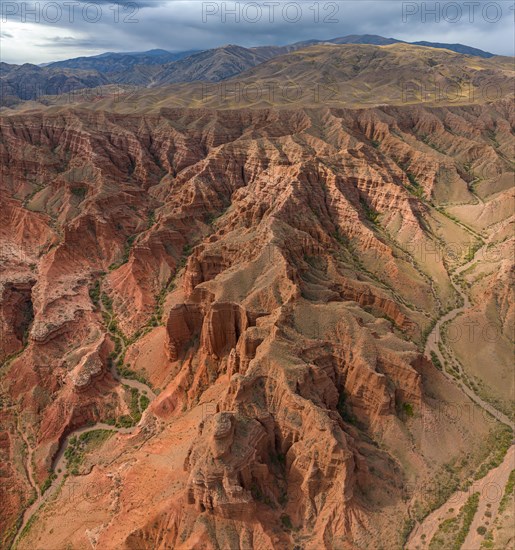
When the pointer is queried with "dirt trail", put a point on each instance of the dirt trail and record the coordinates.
(491, 486)
(434, 341)
(28, 466)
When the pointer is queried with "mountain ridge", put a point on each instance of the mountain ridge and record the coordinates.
(157, 68)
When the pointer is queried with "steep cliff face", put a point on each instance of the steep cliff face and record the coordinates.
(272, 274)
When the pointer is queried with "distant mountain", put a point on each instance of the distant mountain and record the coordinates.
(373, 39)
(273, 51)
(214, 65)
(382, 41)
(356, 75)
(377, 40)
(29, 81)
(116, 62)
(459, 48)
(158, 67)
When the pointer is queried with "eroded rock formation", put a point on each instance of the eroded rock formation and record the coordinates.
(273, 274)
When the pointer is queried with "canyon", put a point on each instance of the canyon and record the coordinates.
(237, 327)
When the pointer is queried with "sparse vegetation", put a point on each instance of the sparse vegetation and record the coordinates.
(79, 192)
(48, 482)
(94, 293)
(144, 402)
(28, 526)
(452, 532)
(126, 372)
(406, 530)
(112, 326)
(408, 409)
(186, 252)
(488, 541)
(472, 251)
(151, 218)
(499, 442)
(137, 404)
(134, 405)
(79, 446)
(415, 188)
(286, 522)
(508, 492)
(371, 215)
(125, 255)
(436, 362)
(468, 512)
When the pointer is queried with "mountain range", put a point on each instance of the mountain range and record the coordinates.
(159, 67)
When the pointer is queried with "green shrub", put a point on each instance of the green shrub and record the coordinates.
(508, 492)
(79, 192)
(436, 362)
(78, 447)
(286, 521)
(370, 213)
(408, 409)
(144, 402)
(94, 293)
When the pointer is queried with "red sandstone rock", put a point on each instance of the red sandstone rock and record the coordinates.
(277, 248)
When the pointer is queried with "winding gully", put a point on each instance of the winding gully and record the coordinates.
(59, 462)
(491, 486)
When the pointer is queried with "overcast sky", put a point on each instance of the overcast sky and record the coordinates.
(43, 31)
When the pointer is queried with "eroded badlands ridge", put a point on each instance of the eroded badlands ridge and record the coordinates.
(272, 275)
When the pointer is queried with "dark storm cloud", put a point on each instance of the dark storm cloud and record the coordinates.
(188, 24)
(57, 42)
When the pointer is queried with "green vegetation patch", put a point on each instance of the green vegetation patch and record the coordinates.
(80, 192)
(436, 362)
(371, 215)
(415, 188)
(47, 483)
(126, 372)
(452, 532)
(408, 409)
(286, 522)
(499, 442)
(79, 446)
(94, 293)
(508, 492)
(137, 404)
(125, 255)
